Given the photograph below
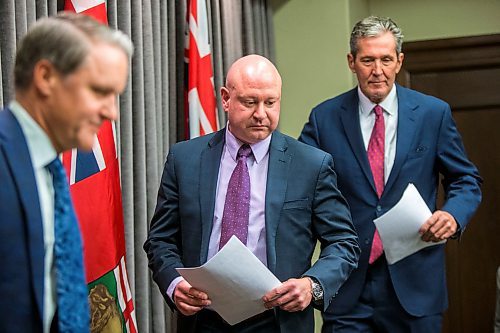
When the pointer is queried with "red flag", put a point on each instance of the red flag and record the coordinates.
(95, 188)
(201, 113)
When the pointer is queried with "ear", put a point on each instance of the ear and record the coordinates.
(401, 56)
(350, 62)
(44, 76)
(224, 93)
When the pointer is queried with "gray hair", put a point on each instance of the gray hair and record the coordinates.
(64, 40)
(373, 26)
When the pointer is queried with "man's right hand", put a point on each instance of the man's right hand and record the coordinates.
(188, 299)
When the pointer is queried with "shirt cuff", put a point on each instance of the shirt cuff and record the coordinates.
(171, 287)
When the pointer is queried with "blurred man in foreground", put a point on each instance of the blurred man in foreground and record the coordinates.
(69, 70)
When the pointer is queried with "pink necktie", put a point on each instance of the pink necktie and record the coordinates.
(376, 159)
(237, 204)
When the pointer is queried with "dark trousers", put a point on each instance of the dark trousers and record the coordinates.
(379, 311)
(210, 322)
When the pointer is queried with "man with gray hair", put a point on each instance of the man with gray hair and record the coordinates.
(383, 137)
(69, 70)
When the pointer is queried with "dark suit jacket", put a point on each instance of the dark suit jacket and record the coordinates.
(428, 144)
(21, 245)
(302, 205)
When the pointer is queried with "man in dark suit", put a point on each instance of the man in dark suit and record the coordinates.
(68, 72)
(383, 137)
(293, 202)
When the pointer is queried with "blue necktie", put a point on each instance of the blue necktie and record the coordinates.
(72, 302)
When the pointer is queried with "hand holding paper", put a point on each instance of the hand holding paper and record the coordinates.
(188, 299)
(398, 228)
(235, 281)
(441, 225)
(285, 296)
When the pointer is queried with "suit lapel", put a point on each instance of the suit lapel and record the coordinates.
(209, 172)
(279, 161)
(17, 155)
(406, 132)
(350, 121)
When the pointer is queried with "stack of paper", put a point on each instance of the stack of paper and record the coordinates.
(398, 228)
(235, 281)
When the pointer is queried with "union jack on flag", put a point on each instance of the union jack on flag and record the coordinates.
(201, 111)
(94, 179)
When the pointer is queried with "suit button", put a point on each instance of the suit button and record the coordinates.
(379, 208)
(367, 241)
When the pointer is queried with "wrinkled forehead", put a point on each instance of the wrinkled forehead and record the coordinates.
(251, 79)
(265, 87)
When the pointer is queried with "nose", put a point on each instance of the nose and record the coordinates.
(377, 67)
(260, 112)
(110, 108)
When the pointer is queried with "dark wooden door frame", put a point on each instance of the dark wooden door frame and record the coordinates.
(477, 54)
(449, 54)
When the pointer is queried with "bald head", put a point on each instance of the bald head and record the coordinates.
(252, 67)
(251, 98)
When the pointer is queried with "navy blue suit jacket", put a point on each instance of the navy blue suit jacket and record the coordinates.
(21, 245)
(428, 144)
(302, 205)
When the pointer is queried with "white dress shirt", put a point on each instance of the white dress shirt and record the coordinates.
(367, 121)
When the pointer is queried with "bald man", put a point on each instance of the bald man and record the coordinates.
(292, 202)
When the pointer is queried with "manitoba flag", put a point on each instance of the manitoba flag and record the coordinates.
(95, 189)
(201, 111)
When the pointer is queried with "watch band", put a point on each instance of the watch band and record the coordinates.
(316, 290)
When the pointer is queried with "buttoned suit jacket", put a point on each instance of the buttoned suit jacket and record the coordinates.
(21, 245)
(428, 144)
(302, 205)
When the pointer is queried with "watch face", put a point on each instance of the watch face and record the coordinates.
(317, 292)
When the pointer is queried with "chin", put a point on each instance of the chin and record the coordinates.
(86, 145)
(376, 97)
(85, 148)
(85, 139)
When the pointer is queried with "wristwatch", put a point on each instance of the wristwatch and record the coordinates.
(316, 290)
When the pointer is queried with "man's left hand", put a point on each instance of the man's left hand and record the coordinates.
(441, 225)
(292, 295)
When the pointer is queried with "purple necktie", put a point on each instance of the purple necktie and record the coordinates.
(237, 205)
(376, 159)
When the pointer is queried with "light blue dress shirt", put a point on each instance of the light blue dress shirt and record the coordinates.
(42, 152)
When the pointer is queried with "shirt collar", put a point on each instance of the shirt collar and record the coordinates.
(259, 149)
(389, 104)
(42, 151)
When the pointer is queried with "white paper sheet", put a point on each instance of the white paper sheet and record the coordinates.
(398, 227)
(235, 281)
